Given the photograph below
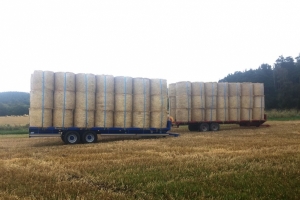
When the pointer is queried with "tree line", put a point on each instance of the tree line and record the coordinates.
(14, 103)
(281, 82)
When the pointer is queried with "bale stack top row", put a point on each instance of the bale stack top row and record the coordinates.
(66, 99)
(212, 101)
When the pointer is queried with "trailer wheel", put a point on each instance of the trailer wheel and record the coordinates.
(89, 137)
(214, 127)
(71, 137)
(63, 137)
(204, 127)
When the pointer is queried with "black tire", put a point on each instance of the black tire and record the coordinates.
(71, 137)
(204, 127)
(63, 137)
(89, 137)
(193, 127)
(214, 127)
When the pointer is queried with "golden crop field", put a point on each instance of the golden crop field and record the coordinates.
(14, 120)
(233, 163)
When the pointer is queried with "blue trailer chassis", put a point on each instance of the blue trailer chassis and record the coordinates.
(84, 133)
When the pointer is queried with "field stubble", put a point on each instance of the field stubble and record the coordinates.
(234, 163)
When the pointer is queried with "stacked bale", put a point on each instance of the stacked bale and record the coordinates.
(64, 99)
(258, 101)
(172, 100)
(183, 101)
(104, 114)
(198, 101)
(84, 115)
(123, 102)
(211, 89)
(234, 101)
(158, 103)
(141, 103)
(223, 102)
(246, 101)
(41, 98)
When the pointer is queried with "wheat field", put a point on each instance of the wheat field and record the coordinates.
(233, 163)
(14, 120)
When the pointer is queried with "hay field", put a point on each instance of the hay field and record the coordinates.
(14, 120)
(234, 163)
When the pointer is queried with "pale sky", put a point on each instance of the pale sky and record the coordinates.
(191, 40)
